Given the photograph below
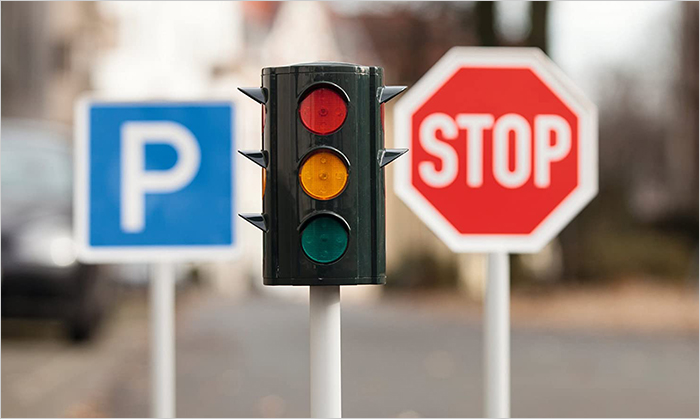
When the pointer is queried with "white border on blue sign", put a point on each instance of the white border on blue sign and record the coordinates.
(143, 254)
(561, 85)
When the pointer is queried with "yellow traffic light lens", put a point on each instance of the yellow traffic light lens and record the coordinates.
(323, 175)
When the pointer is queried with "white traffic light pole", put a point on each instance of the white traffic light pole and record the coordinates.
(324, 346)
(162, 305)
(497, 337)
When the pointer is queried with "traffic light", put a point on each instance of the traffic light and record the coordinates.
(322, 156)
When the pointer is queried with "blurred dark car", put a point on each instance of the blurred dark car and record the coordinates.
(41, 277)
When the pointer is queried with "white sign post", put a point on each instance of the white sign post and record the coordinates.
(497, 337)
(324, 356)
(154, 183)
(162, 306)
(503, 154)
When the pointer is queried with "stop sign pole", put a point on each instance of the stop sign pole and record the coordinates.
(497, 337)
(503, 154)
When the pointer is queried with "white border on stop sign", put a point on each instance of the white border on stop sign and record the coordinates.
(561, 86)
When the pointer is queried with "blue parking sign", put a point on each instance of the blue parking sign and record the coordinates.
(155, 181)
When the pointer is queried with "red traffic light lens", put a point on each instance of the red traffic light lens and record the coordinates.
(323, 110)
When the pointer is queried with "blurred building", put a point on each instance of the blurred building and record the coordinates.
(47, 56)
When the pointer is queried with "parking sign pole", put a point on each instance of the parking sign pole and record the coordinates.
(162, 305)
(497, 337)
(324, 345)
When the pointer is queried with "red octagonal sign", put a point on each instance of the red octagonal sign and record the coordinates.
(503, 149)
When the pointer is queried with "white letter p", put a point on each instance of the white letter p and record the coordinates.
(137, 181)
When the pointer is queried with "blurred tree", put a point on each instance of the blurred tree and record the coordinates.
(409, 38)
(538, 25)
(645, 218)
(485, 17)
(687, 90)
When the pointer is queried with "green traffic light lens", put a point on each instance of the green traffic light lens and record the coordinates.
(324, 239)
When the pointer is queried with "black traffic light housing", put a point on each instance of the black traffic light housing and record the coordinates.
(319, 117)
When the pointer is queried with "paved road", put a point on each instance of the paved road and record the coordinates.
(249, 359)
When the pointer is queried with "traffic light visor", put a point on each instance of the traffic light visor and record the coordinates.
(323, 174)
(324, 239)
(323, 110)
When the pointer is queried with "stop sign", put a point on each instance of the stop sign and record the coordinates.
(503, 149)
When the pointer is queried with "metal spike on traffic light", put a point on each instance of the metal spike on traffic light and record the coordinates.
(389, 155)
(258, 220)
(323, 180)
(258, 94)
(257, 157)
(389, 92)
